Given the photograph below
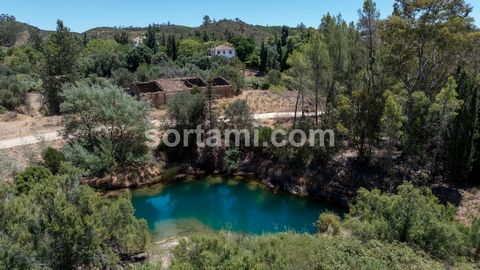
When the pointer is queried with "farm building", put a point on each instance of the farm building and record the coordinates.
(159, 92)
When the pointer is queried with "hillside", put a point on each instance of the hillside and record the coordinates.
(14, 33)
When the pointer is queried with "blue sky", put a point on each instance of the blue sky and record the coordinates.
(86, 14)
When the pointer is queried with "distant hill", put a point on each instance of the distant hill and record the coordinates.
(14, 33)
(220, 30)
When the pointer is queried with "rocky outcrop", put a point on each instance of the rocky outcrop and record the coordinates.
(127, 177)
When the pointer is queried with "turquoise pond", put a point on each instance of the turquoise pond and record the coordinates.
(214, 204)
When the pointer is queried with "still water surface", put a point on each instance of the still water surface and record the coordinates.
(214, 204)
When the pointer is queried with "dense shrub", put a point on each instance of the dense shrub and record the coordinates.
(30, 177)
(274, 77)
(188, 109)
(232, 159)
(239, 115)
(110, 131)
(265, 85)
(295, 251)
(254, 83)
(12, 92)
(413, 215)
(59, 224)
(328, 223)
(52, 159)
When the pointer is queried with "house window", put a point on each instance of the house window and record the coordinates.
(223, 52)
(230, 52)
(218, 52)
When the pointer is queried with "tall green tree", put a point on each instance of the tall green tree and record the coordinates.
(460, 150)
(298, 71)
(151, 39)
(61, 65)
(442, 112)
(392, 121)
(172, 47)
(319, 65)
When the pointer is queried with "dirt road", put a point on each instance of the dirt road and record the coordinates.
(53, 136)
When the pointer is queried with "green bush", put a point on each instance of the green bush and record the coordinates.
(105, 136)
(274, 77)
(328, 223)
(265, 85)
(12, 92)
(413, 215)
(30, 177)
(60, 224)
(232, 159)
(295, 251)
(255, 83)
(52, 159)
(2, 109)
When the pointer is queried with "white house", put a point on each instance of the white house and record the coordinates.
(137, 41)
(223, 50)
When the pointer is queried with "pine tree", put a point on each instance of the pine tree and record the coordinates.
(319, 65)
(392, 122)
(298, 70)
(61, 65)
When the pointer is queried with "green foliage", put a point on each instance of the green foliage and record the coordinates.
(329, 223)
(460, 148)
(151, 39)
(59, 224)
(274, 77)
(61, 65)
(102, 57)
(123, 78)
(189, 110)
(413, 215)
(30, 177)
(295, 251)
(139, 55)
(190, 47)
(9, 30)
(474, 238)
(24, 60)
(2, 109)
(239, 114)
(105, 127)
(265, 85)
(243, 46)
(52, 159)
(393, 119)
(122, 38)
(232, 159)
(12, 92)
